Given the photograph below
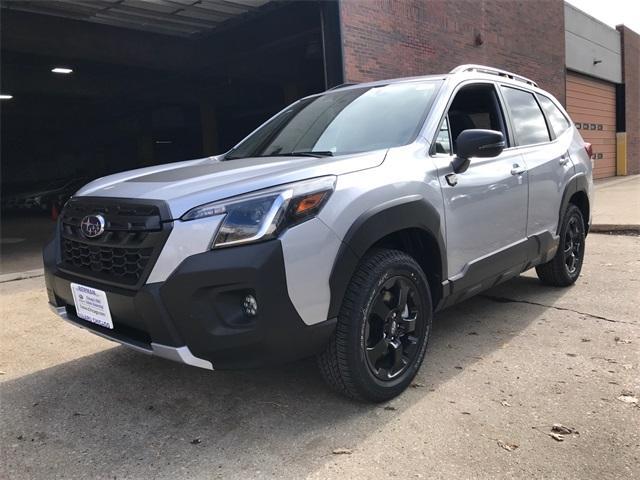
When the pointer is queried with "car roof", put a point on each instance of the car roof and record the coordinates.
(378, 83)
(463, 72)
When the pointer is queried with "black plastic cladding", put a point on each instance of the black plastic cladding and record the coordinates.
(575, 185)
(200, 305)
(371, 227)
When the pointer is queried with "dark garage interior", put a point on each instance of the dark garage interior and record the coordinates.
(150, 83)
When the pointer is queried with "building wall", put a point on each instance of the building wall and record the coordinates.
(631, 79)
(592, 48)
(394, 38)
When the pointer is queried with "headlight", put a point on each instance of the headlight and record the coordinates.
(265, 214)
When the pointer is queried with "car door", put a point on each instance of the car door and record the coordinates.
(486, 206)
(550, 168)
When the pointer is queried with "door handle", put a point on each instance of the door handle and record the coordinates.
(564, 159)
(517, 169)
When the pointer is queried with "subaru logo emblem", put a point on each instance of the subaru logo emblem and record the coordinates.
(92, 226)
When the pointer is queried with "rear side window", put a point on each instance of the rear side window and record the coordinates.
(558, 121)
(528, 122)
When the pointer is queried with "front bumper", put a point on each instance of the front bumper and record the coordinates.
(196, 315)
(178, 354)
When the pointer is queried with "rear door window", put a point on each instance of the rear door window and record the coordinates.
(558, 121)
(529, 124)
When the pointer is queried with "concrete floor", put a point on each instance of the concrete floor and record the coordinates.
(502, 367)
(617, 202)
(21, 242)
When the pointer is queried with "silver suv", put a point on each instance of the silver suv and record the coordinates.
(335, 229)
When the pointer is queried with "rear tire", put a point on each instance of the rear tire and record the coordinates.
(383, 328)
(564, 268)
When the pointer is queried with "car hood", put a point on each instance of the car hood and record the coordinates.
(184, 185)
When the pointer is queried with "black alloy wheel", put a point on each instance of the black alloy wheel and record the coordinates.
(393, 328)
(564, 268)
(382, 330)
(573, 244)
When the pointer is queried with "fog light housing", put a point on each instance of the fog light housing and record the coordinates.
(250, 306)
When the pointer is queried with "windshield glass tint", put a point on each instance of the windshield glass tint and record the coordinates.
(344, 121)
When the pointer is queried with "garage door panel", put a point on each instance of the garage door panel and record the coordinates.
(592, 112)
(595, 136)
(593, 102)
(604, 149)
(577, 79)
(607, 159)
(598, 137)
(580, 102)
(596, 93)
(578, 98)
(605, 163)
(594, 109)
(607, 131)
(584, 93)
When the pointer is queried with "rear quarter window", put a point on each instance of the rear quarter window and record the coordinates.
(558, 121)
(529, 124)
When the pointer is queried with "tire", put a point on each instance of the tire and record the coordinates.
(564, 268)
(373, 358)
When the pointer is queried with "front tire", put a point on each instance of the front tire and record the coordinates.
(564, 268)
(383, 328)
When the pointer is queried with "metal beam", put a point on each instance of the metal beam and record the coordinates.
(179, 8)
(161, 16)
(117, 20)
(136, 12)
(207, 6)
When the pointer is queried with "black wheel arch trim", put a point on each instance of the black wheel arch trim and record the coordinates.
(375, 224)
(578, 183)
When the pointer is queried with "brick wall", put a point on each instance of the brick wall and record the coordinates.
(631, 79)
(395, 38)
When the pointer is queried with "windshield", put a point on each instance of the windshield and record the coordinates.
(344, 121)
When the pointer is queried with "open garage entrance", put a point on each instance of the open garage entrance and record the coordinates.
(106, 86)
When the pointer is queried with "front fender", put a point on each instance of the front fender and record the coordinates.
(411, 212)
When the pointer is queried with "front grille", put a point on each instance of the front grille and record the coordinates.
(125, 253)
(124, 264)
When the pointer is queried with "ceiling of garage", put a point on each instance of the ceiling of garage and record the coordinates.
(184, 18)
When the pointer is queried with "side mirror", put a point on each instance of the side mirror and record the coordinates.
(476, 143)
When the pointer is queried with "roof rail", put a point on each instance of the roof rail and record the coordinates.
(342, 85)
(492, 71)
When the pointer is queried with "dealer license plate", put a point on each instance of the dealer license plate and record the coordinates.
(91, 305)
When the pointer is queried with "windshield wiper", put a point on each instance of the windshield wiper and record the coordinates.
(311, 153)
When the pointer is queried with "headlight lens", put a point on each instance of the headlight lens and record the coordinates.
(264, 215)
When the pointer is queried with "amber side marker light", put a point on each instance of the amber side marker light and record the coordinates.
(309, 203)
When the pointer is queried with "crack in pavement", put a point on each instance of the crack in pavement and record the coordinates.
(565, 309)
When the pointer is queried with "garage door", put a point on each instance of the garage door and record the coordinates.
(592, 106)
